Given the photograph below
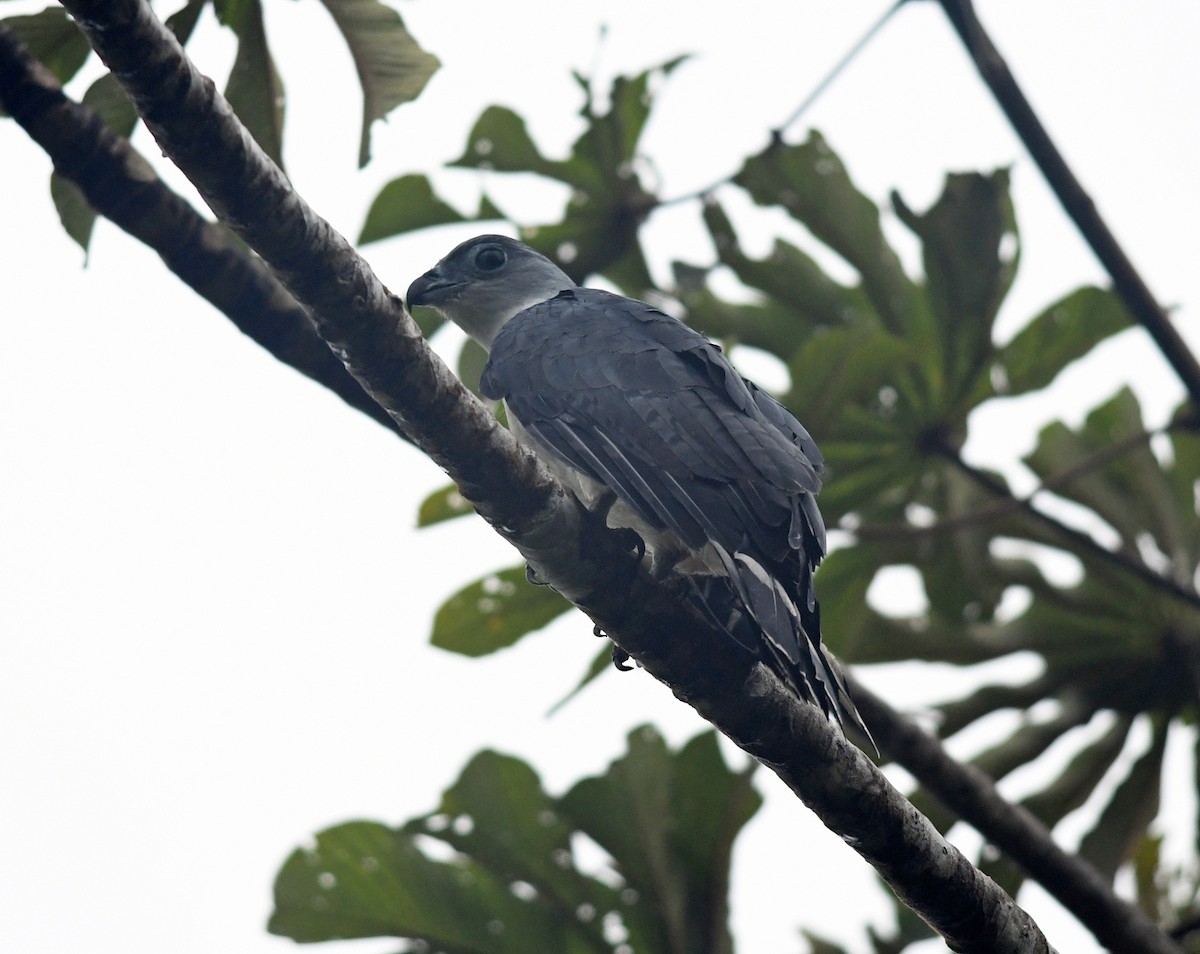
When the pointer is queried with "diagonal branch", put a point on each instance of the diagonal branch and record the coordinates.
(120, 185)
(971, 795)
(383, 349)
(1127, 282)
(1079, 541)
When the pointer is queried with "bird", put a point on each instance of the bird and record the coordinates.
(646, 421)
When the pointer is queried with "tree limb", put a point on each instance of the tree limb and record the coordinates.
(972, 796)
(1127, 282)
(120, 185)
(1080, 541)
(383, 349)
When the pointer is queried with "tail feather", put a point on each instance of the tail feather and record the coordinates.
(790, 634)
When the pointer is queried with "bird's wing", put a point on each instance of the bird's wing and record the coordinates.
(643, 405)
(648, 407)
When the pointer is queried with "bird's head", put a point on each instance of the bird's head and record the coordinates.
(485, 281)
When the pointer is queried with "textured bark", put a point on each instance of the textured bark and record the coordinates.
(383, 349)
(120, 185)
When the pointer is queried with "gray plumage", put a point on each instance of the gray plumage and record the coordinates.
(617, 397)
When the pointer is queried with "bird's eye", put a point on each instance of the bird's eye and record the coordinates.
(489, 258)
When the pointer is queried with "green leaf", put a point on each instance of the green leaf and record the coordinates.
(1128, 814)
(74, 211)
(515, 829)
(601, 663)
(107, 97)
(494, 613)
(183, 21)
(392, 67)
(766, 324)
(673, 836)
(513, 883)
(54, 39)
(442, 505)
(838, 368)
(1107, 465)
(967, 272)
(792, 278)
(364, 880)
(820, 945)
(499, 140)
(599, 233)
(254, 89)
(405, 205)
(1063, 333)
(811, 183)
(1080, 777)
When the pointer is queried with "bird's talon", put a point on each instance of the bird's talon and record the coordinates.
(532, 577)
(619, 658)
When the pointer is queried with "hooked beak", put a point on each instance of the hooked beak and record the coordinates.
(430, 289)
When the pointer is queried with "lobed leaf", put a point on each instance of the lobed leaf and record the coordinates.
(1063, 333)
(812, 184)
(53, 39)
(512, 881)
(673, 837)
(1124, 820)
(392, 68)
(493, 613)
(254, 88)
(405, 205)
(363, 879)
(967, 273)
(442, 505)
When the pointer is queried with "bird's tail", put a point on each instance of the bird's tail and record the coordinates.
(753, 608)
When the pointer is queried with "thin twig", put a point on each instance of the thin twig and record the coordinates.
(1012, 503)
(1127, 282)
(839, 67)
(1080, 541)
(805, 105)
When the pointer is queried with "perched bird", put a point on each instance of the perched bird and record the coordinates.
(623, 401)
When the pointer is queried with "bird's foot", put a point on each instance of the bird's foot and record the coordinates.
(620, 658)
(532, 577)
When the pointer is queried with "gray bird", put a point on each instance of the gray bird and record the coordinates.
(634, 411)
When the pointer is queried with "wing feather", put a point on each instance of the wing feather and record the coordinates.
(645, 406)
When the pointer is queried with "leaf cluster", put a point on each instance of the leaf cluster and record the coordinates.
(887, 370)
(392, 69)
(502, 865)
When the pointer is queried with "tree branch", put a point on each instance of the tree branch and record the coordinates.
(973, 797)
(1127, 282)
(1081, 542)
(120, 185)
(383, 349)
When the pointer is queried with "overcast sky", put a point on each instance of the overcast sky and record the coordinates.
(214, 608)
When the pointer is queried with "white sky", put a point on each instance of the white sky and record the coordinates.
(214, 608)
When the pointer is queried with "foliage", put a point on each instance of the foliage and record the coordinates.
(392, 69)
(887, 371)
(502, 865)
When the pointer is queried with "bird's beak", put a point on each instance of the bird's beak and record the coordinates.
(432, 289)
